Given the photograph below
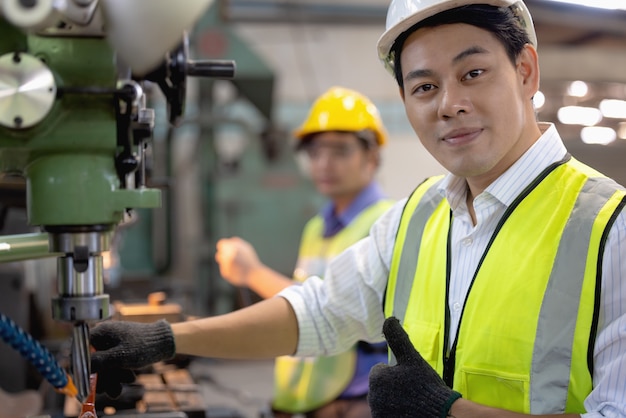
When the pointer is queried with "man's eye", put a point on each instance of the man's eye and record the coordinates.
(424, 88)
(473, 74)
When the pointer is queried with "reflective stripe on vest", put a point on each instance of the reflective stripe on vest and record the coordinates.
(542, 367)
(304, 384)
(409, 242)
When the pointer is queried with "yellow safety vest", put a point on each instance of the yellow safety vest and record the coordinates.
(527, 330)
(304, 384)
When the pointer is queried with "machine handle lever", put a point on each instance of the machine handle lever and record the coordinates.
(211, 68)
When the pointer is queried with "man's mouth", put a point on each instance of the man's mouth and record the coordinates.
(461, 136)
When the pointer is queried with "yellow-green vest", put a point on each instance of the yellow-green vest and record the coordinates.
(527, 330)
(304, 384)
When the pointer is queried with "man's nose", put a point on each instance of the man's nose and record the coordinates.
(454, 101)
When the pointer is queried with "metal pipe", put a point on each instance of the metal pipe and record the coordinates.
(25, 247)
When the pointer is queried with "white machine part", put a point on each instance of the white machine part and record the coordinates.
(141, 32)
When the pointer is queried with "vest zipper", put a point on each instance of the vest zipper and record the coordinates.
(448, 372)
(449, 357)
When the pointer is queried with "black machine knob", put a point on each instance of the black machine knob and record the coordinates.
(171, 76)
(211, 68)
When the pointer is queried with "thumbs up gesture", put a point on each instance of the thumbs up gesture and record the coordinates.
(411, 388)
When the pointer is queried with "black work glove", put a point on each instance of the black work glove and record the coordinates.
(122, 347)
(411, 388)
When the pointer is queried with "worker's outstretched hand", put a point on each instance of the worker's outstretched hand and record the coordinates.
(411, 388)
(122, 347)
(237, 259)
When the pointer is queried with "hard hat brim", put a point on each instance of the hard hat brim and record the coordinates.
(388, 38)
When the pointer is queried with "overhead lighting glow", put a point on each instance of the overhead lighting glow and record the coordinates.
(578, 89)
(539, 99)
(600, 135)
(578, 115)
(612, 108)
(600, 4)
(621, 130)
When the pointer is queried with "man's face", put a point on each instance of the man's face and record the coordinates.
(469, 105)
(339, 165)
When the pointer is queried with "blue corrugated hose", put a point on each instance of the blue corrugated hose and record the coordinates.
(34, 352)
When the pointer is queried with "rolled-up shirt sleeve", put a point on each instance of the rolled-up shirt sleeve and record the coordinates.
(347, 306)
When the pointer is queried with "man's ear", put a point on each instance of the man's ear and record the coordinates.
(373, 156)
(377, 158)
(528, 69)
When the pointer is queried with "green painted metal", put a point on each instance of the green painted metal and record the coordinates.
(24, 247)
(80, 189)
(136, 246)
(68, 158)
(77, 122)
(12, 39)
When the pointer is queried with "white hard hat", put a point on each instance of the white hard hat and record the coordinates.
(403, 14)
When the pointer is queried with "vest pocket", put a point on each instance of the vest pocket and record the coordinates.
(497, 389)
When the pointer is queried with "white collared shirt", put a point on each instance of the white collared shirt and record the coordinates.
(347, 305)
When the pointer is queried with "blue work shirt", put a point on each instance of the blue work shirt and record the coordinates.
(334, 223)
(367, 354)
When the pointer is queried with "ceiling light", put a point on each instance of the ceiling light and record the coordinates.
(539, 99)
(598, 135)
(600, 4)
(578, 115)
(612, 108)
(621, 130)
(578, 89)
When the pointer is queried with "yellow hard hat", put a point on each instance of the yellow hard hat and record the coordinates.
(342, 109)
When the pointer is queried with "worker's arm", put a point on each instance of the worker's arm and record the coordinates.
(264, 330)
(240, 265)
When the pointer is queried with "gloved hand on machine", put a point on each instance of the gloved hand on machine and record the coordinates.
(123, 347)
(411, 388)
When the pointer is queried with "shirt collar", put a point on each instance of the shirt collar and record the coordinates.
(334, 223)
(548, 149)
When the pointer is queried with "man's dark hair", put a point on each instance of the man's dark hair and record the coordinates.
(366, 137)
(501, 21)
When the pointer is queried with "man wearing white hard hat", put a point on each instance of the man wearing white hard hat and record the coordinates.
(498, 286)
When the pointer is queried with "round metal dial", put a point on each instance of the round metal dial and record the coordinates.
(27, 90)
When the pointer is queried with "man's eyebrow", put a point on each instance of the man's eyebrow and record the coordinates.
(469, 51)
(417, 74)
(462, 55)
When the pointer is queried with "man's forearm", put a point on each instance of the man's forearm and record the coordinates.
(264, 330)
(463, 408)
(267, 282)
